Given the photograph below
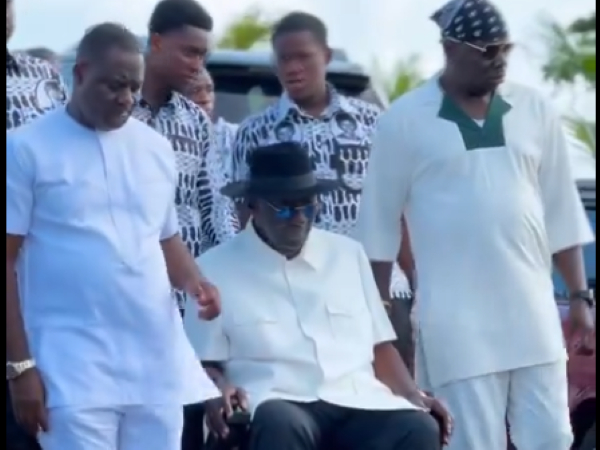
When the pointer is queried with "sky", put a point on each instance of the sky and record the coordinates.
(383, 29)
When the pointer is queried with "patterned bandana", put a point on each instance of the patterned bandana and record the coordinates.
(471, 21)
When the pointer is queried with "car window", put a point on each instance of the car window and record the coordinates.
(240, 95)
(589, 255)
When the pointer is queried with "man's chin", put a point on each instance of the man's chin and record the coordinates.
(294, 244)
(482, 91)
(297, 92)
(114, 123)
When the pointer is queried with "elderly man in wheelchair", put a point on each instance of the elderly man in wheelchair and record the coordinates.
(304, 344)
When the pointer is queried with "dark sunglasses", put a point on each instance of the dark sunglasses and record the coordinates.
(287, 212)
(489, 51)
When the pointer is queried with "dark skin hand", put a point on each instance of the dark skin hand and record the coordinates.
(28, 396)
(27, 391)
(218, 410)
(382, 272)
(570, 265)
(184, 275)
(391, 371)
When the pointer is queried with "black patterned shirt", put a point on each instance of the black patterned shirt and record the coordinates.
(206, 218)
(33, 88)
(339, 142)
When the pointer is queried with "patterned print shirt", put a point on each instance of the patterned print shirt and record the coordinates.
(224, 137)
(33, 88)
(206, 218)
(339, 142)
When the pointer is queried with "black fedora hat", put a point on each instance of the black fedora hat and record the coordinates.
(282, 170)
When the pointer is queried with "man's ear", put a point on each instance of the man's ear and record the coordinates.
(79, 70)
(328, 55)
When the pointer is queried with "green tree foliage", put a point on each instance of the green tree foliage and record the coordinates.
(571, 58)
(250, 28)
(584, 130)
(571, 52)
(405, 76)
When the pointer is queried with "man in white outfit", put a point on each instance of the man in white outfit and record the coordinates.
(303, 330)
(97, 355)
(480, 169)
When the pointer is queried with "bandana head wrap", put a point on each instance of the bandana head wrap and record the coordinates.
(471, 21)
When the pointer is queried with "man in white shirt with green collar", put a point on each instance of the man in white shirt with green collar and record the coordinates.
(480, 169)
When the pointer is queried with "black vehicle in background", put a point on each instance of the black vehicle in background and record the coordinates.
(245, 82)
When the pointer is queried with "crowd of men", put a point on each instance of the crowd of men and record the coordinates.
(285, 242)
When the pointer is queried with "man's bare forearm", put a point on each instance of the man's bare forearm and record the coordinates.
(570, 264)
(390, 370)
(216, 373)
(382, 272)
(181, 266)
(17, 346)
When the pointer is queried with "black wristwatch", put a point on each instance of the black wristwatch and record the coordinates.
(588, 296)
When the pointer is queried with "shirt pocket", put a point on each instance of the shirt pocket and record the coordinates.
(348, 319)
(258, 334)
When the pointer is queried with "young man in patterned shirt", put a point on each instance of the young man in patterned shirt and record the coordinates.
(179, 39)
(33, 88)
(202, 92)
(335, 129)
(179, 32)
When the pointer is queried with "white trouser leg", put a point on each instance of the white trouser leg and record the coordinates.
(538, 408)
(81, 429)
(151, 427)
(478, 406)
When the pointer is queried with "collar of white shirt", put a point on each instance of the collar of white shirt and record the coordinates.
(313, 252)
(338, 102)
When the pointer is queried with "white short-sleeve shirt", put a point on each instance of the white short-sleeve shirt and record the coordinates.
(487, 206)
(301, 329)
(96, 298)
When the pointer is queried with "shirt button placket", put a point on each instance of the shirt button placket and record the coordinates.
(288, 273)
(113, 183)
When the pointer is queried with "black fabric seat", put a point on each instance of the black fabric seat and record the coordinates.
(240, 440)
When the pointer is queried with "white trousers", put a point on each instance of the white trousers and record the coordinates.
(119, 428)
(533, 400)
